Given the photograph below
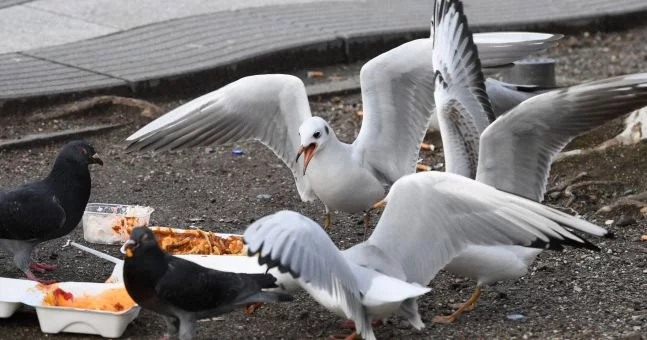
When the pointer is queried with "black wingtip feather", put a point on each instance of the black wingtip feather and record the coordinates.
(558, 244)
(441, 8)
(267, 260)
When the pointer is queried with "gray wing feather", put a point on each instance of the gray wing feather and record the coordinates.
(397, 95)
(516, 151)
(468, 213)
(296, 244)
(462, 104)
(268, 108)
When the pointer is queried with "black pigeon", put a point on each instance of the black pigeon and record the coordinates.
(46, 209)
(184, 292)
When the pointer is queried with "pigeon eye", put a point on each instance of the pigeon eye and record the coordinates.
(316, 134)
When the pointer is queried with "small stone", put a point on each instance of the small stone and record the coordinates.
(263, 197)
(577, 289)
(515, 317)
(208, 150)
(608, 222)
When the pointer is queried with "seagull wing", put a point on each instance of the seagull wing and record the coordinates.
(298, 245)
(462, 105)
(516, 151)
(397, 94)
(269, 108)
(424, 237)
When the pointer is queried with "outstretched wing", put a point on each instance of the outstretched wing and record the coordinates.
(518, 148)
(397, 94)
(298, 245)
(462, 104)
(269, 108)
(430, 217)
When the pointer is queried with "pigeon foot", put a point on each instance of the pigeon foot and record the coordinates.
(42, 267)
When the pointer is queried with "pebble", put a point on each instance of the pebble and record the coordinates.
(608, 222)
(515, 316)
(263, 197)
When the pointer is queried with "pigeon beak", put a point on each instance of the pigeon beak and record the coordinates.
(308, 152)
(96, 160)
(126, 249)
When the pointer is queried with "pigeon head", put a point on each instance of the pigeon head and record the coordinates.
(142, 240)
(78, 152)
(315, 134)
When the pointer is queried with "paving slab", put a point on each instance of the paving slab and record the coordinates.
(24, 76)
(23, 28)
(184, 45)
(8, 3)
(127, 14)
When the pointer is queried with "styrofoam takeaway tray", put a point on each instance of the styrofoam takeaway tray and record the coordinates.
(12, 293)
(75, 320)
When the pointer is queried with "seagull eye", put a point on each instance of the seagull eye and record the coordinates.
(316, 134)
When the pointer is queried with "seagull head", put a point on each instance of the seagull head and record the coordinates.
(141, 240)
(79, 152)
(314, 133)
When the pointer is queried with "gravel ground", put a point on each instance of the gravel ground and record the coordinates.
(570, 294)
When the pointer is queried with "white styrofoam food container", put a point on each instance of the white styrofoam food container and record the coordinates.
(12, 293)
(105, 223)
(75, 320)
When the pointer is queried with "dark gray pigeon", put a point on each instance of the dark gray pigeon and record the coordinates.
(184, 292)
(44, 210)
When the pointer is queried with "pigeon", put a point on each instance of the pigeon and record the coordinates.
(47, 209)
(513, 153)
(397, 94)
(184, 292)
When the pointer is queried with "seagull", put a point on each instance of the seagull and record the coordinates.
(47, 209)
(397, 88)
(514, 153)
(385, 274)
(184, 292)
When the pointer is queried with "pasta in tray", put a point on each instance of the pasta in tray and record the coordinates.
(196, 241)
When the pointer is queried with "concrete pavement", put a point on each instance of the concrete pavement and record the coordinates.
(54, 47)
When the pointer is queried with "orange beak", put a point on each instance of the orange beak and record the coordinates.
(308, 152)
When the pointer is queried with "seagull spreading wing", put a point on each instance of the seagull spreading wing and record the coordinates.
(367, 281)
(397, 88)
(515, 152)
(297, 245)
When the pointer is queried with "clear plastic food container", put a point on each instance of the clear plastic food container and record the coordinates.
(105, 223)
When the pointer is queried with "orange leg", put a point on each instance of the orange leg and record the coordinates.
(468, 305)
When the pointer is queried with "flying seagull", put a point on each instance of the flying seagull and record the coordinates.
(47, 209)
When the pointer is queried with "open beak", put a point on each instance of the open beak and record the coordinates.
(127, 248)
(308, 152)
(96, 160)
